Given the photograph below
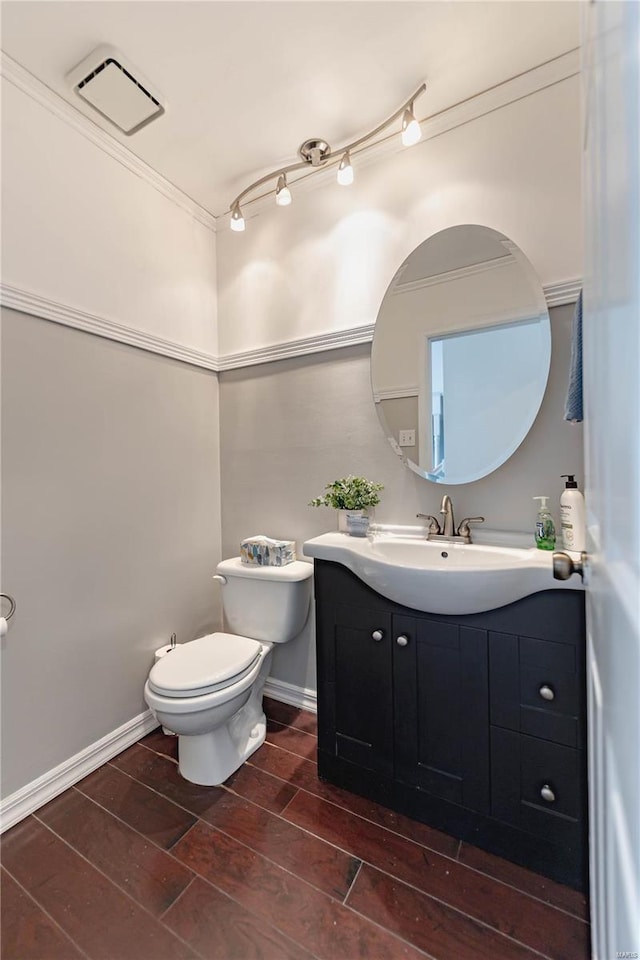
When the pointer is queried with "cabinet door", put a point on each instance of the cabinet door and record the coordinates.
(355, 688)
(537, 785)
(441, 709)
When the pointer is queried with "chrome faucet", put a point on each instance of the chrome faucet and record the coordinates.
(446, 510)
(448, 532)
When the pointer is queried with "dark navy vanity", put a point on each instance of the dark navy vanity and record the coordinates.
(472, 724)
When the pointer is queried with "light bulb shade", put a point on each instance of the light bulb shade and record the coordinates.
(345, 171)
(283, 194)
(411, 132)
(237, 220)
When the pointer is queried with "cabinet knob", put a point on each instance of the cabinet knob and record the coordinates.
(378, 634)
(547, 793)
(402, 641)
(547, 692)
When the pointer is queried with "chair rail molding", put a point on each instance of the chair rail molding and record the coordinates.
(32, 303)
(24, 301)
(556, 295)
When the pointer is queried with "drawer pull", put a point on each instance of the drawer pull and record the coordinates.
(402, 641)
(378, 635)
(547, 692)
(547, 793)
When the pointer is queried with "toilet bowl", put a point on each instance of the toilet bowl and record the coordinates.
(209, 691)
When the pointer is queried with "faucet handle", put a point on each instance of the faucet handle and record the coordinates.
(434, 526)
(464, 530)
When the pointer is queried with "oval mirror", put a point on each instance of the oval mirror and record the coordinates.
(461, 354)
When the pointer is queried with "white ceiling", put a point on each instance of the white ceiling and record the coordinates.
(246, 82)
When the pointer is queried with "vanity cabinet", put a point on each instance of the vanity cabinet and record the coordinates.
(473, 724)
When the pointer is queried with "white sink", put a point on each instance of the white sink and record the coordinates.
(438, 577)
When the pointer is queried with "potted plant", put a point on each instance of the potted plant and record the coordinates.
(351, 497)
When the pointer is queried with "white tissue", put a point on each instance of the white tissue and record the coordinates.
(4, 626)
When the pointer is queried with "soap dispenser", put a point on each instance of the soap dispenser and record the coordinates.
(545, 528)
(572, 516)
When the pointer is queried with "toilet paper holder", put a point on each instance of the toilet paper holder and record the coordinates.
(12, 605)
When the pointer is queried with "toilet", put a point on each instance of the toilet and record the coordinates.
(209, 691)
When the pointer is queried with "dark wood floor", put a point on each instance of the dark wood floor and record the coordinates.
(134, 863)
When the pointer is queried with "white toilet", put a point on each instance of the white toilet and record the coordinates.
(209, 691)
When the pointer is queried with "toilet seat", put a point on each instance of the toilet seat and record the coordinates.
(205, 665)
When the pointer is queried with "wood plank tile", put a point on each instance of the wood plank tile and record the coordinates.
(161, 743)
(325, 927)
(143, 809)
(441, 932)
(27, 932)
(162, 775)
(304, 774)
(509, 911)
(145, 872)
(102, 920)
(313, 860)
(291, 716)
(261, 788)
(556, 894)
(220, 929)
(295, 741)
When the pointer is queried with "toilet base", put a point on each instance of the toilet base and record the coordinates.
(210, 758)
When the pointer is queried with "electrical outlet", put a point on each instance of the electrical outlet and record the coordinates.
(406, 438)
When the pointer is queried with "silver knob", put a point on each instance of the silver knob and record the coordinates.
(378, 634)
(547, 793)
(402, 641)
(565, 566)
(546, 692)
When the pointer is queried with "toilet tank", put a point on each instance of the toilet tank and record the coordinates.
(266, 603)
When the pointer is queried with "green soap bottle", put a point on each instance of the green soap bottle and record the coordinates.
(545, 527)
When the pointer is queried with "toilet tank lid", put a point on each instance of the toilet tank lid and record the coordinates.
(234, 567)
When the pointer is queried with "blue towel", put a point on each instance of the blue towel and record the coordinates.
(573, 403)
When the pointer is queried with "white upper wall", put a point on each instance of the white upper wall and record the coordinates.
(324, 263)
(83, 230)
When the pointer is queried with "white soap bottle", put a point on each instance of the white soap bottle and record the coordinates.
(572, 516)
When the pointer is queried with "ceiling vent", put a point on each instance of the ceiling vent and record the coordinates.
(112, 86)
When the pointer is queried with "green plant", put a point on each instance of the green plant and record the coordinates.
(349, 493)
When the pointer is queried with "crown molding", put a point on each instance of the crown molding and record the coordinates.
(27, 302)
(16, 74)
(532, 81)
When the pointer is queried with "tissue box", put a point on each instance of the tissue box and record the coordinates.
(264, 552)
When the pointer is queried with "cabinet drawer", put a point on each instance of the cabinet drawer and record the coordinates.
(536, 688)
(536, 785)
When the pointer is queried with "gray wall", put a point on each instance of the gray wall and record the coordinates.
(110, 531)
(290, 427)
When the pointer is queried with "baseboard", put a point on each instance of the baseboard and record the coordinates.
(20, 804)
(301, 697)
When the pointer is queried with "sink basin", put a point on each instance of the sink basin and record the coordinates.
(438, 577)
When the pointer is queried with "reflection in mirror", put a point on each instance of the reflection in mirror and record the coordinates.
(461, 354)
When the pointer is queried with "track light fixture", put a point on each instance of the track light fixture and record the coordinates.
(316, 153)
(283, 194)
(345, 171)
(411, 131)
(237, 220)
